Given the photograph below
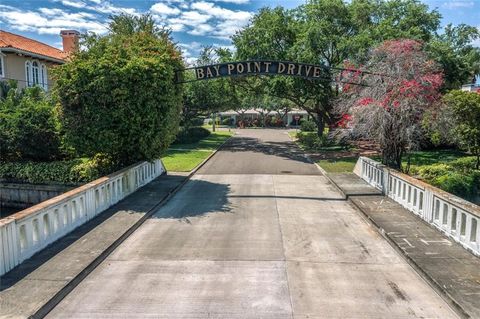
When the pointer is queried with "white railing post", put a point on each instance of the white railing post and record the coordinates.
(457, 218)
(22, 235)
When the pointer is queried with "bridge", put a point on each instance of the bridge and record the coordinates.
(257, 232)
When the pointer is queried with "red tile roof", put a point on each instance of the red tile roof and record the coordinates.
(15, 41)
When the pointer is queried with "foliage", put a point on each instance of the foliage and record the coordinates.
(191, 135)
(458, 177)
(311, 140)
(390, 106)
(454, 51)
(465, 110)
(118, 96)
(205, 97)
(64, 172)
(308, 126)
(227, 121)
(327, 32)
(28, 127)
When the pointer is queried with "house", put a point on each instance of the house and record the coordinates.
(292, 118)
(474, 86)
(29, 61)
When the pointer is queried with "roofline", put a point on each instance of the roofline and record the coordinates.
(35, 55)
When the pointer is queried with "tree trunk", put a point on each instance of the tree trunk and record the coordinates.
(214, 120)
(320, 125)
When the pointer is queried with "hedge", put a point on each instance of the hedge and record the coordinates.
(458, 177)
(191, 135)
(69, 172)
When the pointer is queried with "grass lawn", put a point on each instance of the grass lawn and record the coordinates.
(341, 165)
(419, 158)
(185, 157)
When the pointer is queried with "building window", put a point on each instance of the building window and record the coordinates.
(35, 73)
(44, 78)
(2, 66)
(28, 73)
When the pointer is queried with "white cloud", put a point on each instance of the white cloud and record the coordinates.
(100, 6)
(234, 1)
(49, 21)
(207, 19)
(456, 4)
(75, 4)
(202, 29)
(164, 10)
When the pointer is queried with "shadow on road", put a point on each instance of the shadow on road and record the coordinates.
(285, 149)
(197, 198)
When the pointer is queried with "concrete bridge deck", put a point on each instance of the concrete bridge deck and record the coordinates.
(258, 232)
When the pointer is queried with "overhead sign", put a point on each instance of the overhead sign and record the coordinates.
(309, 71)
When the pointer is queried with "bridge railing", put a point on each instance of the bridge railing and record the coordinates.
(30, 230)
(455, 217)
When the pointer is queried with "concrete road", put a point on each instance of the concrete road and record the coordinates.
(257, 233)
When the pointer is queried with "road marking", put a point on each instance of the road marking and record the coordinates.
(443, 241)
(409, 244)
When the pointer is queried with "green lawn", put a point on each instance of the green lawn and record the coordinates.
(341, 165)
(185, 157)
(419, 158)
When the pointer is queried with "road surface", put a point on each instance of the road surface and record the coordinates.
(258, 232)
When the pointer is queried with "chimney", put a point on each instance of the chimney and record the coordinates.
(70, 40)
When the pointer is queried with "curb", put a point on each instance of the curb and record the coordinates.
(60, 295)
(456, 307)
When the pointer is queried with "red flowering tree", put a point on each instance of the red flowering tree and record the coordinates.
(402, 83)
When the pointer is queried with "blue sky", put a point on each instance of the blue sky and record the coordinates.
(194, 22)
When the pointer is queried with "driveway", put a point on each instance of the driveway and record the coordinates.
(258, 232)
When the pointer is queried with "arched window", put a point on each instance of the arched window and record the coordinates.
(44, 77)
(28, 73)
(2, 66)
(35, 73)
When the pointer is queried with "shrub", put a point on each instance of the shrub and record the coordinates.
(198, 121)
(227, 121)
(308, 126)
(28, 128)
(63, 172)
(463, 185)
(191, 135)
(310, 140)
(431, 172)
(458, 177)
(118, 96)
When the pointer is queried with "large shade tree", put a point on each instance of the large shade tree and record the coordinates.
(118, 94)
(208, 96)
(328, 32)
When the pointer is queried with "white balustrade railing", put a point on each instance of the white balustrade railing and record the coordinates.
(30, 230)
(455, 217)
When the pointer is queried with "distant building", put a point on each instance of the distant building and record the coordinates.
(474, 86)
(29, 61)
(292, 118)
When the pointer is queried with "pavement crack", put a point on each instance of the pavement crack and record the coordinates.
(283, 245)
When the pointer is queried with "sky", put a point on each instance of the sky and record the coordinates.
(194, 23)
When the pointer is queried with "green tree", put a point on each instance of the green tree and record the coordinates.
(212, 96)
(328, 32)
(454, 51)
(465, 109)
(118, 95)
(28, 127)
(277, 34)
